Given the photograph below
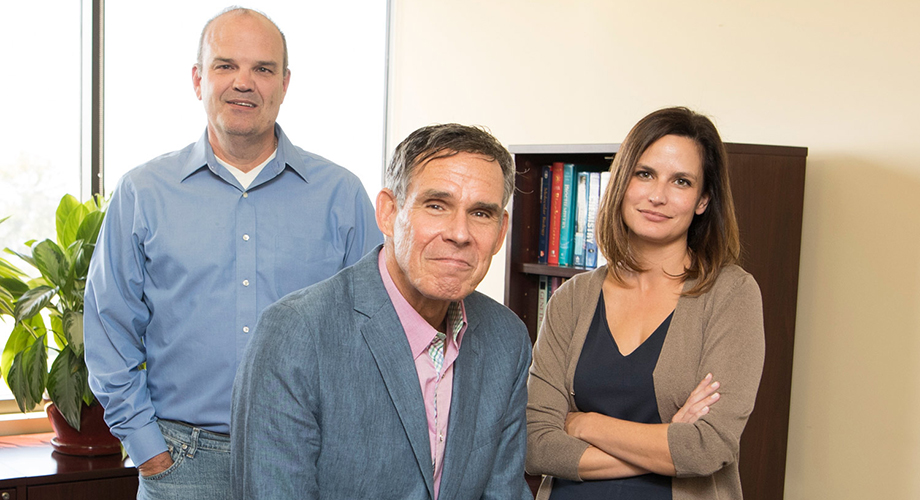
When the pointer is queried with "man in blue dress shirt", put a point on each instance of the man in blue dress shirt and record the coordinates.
(194, 245)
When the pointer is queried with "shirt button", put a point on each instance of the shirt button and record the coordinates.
(245, 329)
(245, 282)
(245, 237)
(245, 195)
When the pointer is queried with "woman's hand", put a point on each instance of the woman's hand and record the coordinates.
(697, 403)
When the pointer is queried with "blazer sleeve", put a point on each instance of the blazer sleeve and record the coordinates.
(274, 432)
(550, 450)
(733, 351)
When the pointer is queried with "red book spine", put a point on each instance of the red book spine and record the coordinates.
(555, 215)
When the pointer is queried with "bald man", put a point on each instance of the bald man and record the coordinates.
(195, 244)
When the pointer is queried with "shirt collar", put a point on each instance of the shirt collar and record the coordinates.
(286, 155)
(418, 331)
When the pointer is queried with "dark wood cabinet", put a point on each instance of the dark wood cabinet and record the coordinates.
(768, 185)
(30, 469)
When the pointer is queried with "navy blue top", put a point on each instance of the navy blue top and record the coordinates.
(622, 387)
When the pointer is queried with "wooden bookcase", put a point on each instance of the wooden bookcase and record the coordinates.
(768, 184)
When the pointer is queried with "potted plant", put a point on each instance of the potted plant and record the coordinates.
(58, 291)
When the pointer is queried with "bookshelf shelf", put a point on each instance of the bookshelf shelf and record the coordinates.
(768, 185)
(547, 270)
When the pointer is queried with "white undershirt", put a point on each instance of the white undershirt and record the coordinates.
(246, 178)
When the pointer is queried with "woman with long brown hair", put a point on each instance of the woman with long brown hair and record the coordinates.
(622, 390)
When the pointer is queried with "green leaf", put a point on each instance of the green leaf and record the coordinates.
(6, 302)
(66, 383)
(20, 338)
(88, 397)
(31, 302)
(94, 204)
(28, 374)
(89, 228)
(23, 335)
(73, 254)
(15, 286)
(8, 270)
(40, 281)
(51, 262)
(57, 327)
(29, 260)
(81, 261)
(69, 216)
(10, 291)
(73, 331)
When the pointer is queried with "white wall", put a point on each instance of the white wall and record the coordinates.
(841, 78)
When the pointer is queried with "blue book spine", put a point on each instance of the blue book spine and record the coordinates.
(546, 186)
(567, 226)
(594, 201)
(581, 219)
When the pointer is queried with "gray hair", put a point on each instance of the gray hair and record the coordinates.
(441, 141)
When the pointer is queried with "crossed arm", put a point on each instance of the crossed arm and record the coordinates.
(620, 448)
(578, 446)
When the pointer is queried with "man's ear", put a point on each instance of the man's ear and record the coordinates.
(287, 81)
(501, 238)
(385, 211)
(196, 80)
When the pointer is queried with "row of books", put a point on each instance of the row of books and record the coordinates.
(569, 199)
(548, 285)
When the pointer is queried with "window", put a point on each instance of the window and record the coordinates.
(40, 159)
(334, 107)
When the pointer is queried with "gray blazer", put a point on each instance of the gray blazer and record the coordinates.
(327, 402)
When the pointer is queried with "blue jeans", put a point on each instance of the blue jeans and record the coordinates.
(200, 469)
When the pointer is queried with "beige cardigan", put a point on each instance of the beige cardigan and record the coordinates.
(719, 332)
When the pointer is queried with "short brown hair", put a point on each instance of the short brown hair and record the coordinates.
(712, 238)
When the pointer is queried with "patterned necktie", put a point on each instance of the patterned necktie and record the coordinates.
(436, 351)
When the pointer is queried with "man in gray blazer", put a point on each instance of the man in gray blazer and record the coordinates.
(394, 378)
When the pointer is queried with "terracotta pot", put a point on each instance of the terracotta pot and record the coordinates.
(93, 438)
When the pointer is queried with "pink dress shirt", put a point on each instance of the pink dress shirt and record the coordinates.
(435, 386)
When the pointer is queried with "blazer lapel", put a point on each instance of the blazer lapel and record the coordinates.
(464, 409)
(387, 342)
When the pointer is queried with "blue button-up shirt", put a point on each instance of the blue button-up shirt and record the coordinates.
(185, 262)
